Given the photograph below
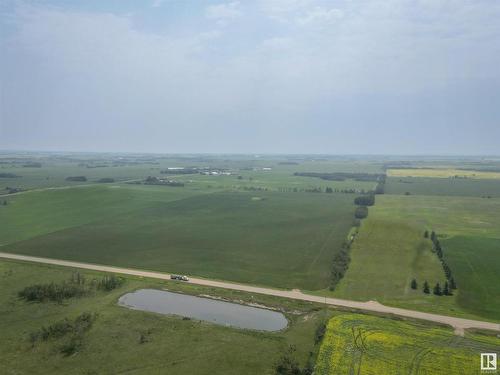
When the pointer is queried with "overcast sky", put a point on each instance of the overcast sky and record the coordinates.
(275, 76)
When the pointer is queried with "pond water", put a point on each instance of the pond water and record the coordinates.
(218, 312)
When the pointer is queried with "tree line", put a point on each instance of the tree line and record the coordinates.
(341, 176)
(446, 290)
(438, 249)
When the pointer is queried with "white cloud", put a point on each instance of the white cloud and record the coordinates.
(224, 13)
(277, 43)
(320, 15)
(93, 77)
(282, 10)
(157, 3)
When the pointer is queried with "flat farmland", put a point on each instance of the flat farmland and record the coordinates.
(442, 173)
(34, 213)
(386, 255)
(278, 239)
(274, 180)
(443, 186)
(369, 345)
(392, 235)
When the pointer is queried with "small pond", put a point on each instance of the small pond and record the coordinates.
(219, 312)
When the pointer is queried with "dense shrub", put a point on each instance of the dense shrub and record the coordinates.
(33, 164)
(75, 287)
(76, 178)
(339, 265)
(52, 292)
(109, 283)
(288, 364)
(361, 212)
(365, 200)
(320, 333)
(106, 180)
(78, 326)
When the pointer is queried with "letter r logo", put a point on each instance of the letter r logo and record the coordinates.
(488, 361)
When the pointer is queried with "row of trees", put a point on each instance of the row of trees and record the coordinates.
(341, 176)
(8, 175)
(380, 188)
(446, 290)
(437, 248)
(318, 189)
(340, 264)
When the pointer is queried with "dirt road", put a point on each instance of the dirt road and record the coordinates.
(458, 324)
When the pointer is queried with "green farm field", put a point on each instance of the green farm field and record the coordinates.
(135, 342)
(390, 250)
(443, 173)
(279, 239)
(443, 186)
(369, 345)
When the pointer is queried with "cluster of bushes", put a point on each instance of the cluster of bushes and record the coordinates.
(341, 176)
(439, 252)
(319, 333)
(365, 200)
(81, 323)
(52, 292)
(108, 283)
(361, 212)
(13, 190)
(106, 180)
(75, 329)
(288, 364)
(76, 178)
(77, 286)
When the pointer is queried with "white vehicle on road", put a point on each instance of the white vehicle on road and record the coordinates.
(179, 277)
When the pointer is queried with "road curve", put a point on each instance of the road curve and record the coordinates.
(458, 324)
